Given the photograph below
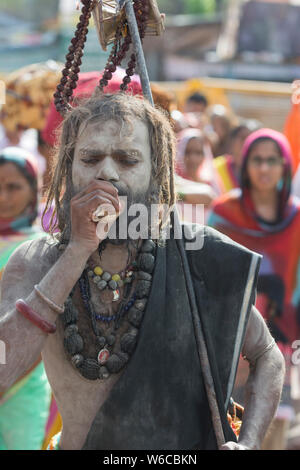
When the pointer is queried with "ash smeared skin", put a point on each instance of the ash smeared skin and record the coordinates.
(263, 387)
(110, 163)
(40, 262)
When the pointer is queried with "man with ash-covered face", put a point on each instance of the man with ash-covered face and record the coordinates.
(113, 318)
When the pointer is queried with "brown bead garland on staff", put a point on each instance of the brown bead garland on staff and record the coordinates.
(68, 82)
(121, 46)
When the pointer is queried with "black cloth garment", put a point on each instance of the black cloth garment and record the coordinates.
(159, 402)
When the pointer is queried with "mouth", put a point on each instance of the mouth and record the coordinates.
(5, 210)
(6, 215)
(265, 179)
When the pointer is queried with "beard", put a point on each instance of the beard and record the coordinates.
(121, 231)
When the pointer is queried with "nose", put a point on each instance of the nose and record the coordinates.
(3, 195)
(264, 166)
(107, 170)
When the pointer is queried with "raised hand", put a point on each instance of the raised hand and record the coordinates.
(97, 194)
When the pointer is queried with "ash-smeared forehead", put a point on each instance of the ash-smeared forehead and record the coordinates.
(121, 128)
(126, 136)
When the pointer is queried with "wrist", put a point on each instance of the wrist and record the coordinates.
(31, 315)
(250, 444)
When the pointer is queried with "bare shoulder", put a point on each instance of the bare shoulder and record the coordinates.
(33, 255)
(27, 266)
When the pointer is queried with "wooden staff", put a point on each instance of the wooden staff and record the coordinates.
(138, 48)
(200, 340)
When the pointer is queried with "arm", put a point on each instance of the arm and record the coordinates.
(264, 384)
(193, 192)
(27, 267)
(38, 263)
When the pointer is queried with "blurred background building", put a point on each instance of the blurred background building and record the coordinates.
(226, 40)
(245, 39)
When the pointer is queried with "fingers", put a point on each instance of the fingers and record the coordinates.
(232, 446)
(100, 196)
(96, 185)
(91, 203)
(97, 189)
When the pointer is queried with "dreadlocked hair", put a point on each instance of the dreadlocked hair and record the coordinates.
(124, 109)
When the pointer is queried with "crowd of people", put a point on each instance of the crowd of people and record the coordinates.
(237, 174)
(246, 178)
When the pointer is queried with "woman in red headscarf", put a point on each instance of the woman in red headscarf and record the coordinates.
(263, 216)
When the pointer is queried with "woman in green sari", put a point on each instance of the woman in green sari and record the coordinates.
(24, 408)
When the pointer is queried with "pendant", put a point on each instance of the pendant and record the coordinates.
(103, 356)
(116, 295)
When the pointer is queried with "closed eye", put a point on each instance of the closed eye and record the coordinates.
(121, 156)
(90, 161)
(124, 160)
(128, 160)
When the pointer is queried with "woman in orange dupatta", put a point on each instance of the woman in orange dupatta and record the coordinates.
(265, 217)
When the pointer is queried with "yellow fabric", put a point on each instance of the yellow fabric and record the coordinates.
(225, 180)
(215, 95)
(55, 428)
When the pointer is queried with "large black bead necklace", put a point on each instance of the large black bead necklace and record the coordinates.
(108, 360)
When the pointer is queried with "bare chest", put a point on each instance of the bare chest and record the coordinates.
(77, 398)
